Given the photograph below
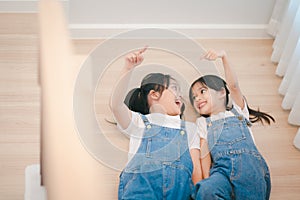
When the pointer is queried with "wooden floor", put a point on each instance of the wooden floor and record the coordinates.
(20, 107)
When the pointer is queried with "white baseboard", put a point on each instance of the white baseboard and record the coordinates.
(93, 31)
(24, 6)
(33, 188)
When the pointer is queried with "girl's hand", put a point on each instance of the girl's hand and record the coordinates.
(212, 55)
(135, 58)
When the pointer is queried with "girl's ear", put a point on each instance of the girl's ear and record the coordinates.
(222, 93)
(154, 95)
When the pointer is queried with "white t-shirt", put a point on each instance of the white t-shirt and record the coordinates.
(136, 129)
(202, 125)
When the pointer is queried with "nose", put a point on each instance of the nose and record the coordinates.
(197, 98)
(179, 95)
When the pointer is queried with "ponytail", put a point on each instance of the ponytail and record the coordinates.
(136, 101)
(258, 116)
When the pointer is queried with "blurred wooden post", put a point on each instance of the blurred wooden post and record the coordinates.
(68, 170)
(55, 78)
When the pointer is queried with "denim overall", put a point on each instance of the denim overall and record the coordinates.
(238, 170)
(161, 168)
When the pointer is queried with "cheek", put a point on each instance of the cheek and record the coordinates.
(194, 105)
(208, 96)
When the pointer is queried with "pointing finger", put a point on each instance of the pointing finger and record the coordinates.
(202, 56)
(144, 49)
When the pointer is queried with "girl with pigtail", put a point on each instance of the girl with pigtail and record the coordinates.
(231, 164)
(164, 150)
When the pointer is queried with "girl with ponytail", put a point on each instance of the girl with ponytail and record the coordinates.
(231, 164)
(162, 148)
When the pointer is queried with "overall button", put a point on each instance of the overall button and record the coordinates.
(182, 132)
(148, 126)
(240, 117)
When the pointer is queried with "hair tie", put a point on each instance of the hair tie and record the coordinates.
(140, 92)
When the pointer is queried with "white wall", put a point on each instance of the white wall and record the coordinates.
(199, 18)
(25, 6)
(196, 18)
(170, 12)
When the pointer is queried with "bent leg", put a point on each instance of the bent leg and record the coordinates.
(252, 180)
(140, 186)
(217, 186)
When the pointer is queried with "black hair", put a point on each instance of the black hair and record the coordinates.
(216, 83)
(137, 98)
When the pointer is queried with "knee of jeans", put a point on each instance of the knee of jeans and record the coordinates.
(204, 190)
(211, 191)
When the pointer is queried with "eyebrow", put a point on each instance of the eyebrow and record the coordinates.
(202, 87)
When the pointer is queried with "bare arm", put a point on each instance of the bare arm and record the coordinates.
(230, 76)
(121, 112)
(205, 158)
(197, 172)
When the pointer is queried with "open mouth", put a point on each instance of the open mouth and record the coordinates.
(178, 103)
(201, 104)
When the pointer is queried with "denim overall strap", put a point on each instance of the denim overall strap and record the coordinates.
(240, 117)
(146, 121)
(208, 122)
(182, 127)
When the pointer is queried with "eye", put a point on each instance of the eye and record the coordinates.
(174, 88)
(203, 90)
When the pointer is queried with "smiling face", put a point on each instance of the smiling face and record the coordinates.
(207, 101)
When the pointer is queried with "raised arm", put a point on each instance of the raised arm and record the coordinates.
(121, 112)
(230, 76)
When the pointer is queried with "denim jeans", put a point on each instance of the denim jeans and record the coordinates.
(238, 169)
(161, 168)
